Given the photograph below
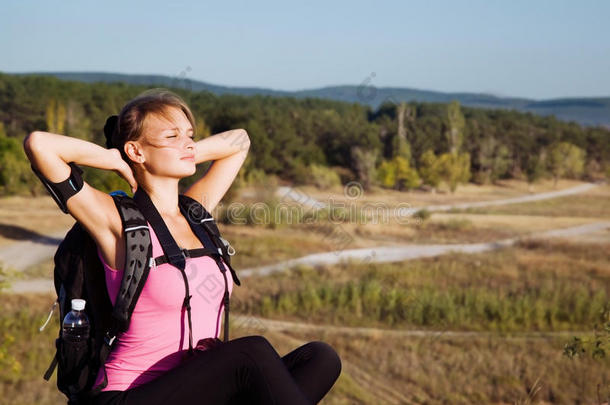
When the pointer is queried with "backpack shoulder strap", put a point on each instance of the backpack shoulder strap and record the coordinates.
(138, 251)
(203, 225)
(198, 217)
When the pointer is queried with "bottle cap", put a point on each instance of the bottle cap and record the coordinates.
(78, 304)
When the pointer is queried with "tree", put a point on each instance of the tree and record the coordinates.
(406, 176)
(593, 170)
(15, 172)
(500, 163)
(455, 128)
(363, 162)
(430, 169)
(535, 168)
(386, 174)
(566, 159)
(397, 174)
(201, 128)
(78, 124)
(455, 169)
(50, 115)
(400, 147)
(56, 117)
(61, 118)
(493, 160)
(400, 144)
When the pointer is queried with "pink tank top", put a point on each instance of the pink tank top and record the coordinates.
(158, 336)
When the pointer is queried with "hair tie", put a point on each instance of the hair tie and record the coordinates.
(110, 129)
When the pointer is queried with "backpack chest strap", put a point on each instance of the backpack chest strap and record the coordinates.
(193, 253)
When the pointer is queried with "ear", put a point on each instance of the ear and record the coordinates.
(134, 152)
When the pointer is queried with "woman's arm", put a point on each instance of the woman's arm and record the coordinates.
(228, 150)
(50, 154)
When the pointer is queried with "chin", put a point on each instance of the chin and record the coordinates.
(186, 168)
(191, 171)
(181, 173)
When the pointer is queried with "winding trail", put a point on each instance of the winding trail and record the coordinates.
(414, 251)
(307, 200)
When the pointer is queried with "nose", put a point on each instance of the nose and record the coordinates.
(190, 143)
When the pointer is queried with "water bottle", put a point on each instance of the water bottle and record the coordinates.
(76, 324)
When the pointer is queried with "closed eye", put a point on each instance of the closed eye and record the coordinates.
(173, 136)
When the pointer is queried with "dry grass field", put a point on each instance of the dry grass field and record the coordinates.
(518, 301)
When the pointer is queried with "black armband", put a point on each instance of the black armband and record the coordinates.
(63, 190)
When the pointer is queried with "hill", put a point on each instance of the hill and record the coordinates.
(585, 111)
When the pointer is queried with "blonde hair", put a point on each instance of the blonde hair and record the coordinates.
(129, 124)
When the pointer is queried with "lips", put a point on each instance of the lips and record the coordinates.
(189, 157)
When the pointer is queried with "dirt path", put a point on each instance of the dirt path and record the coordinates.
(414, 251)
(514, 200)
(21, 255)
(307, 200)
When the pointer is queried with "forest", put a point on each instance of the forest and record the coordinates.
(401, 146)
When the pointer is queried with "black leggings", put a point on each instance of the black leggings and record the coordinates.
(246, 370)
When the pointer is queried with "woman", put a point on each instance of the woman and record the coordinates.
(151, 146)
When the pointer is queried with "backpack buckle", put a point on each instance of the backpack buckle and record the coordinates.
(171, 258)
(230, 249)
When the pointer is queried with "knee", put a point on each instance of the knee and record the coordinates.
(328, 355)
(258, 347)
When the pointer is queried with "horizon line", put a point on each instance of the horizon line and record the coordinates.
(250, 87)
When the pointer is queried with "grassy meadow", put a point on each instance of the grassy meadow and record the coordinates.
(484, 328)
(537, 286)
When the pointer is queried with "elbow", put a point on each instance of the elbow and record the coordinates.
(246, 138)
(31, 143)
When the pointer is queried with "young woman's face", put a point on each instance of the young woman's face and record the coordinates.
(167, 144)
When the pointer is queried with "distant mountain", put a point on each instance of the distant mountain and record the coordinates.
(585, 111)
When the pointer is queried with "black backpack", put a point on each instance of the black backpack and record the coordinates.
(79, 273)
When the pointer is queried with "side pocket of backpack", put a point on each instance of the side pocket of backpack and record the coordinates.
(73, 365)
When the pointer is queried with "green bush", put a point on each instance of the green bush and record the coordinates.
(16, 176)
(323, 177)
(422, 214)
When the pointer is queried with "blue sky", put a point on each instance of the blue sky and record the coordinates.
(536, 49)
